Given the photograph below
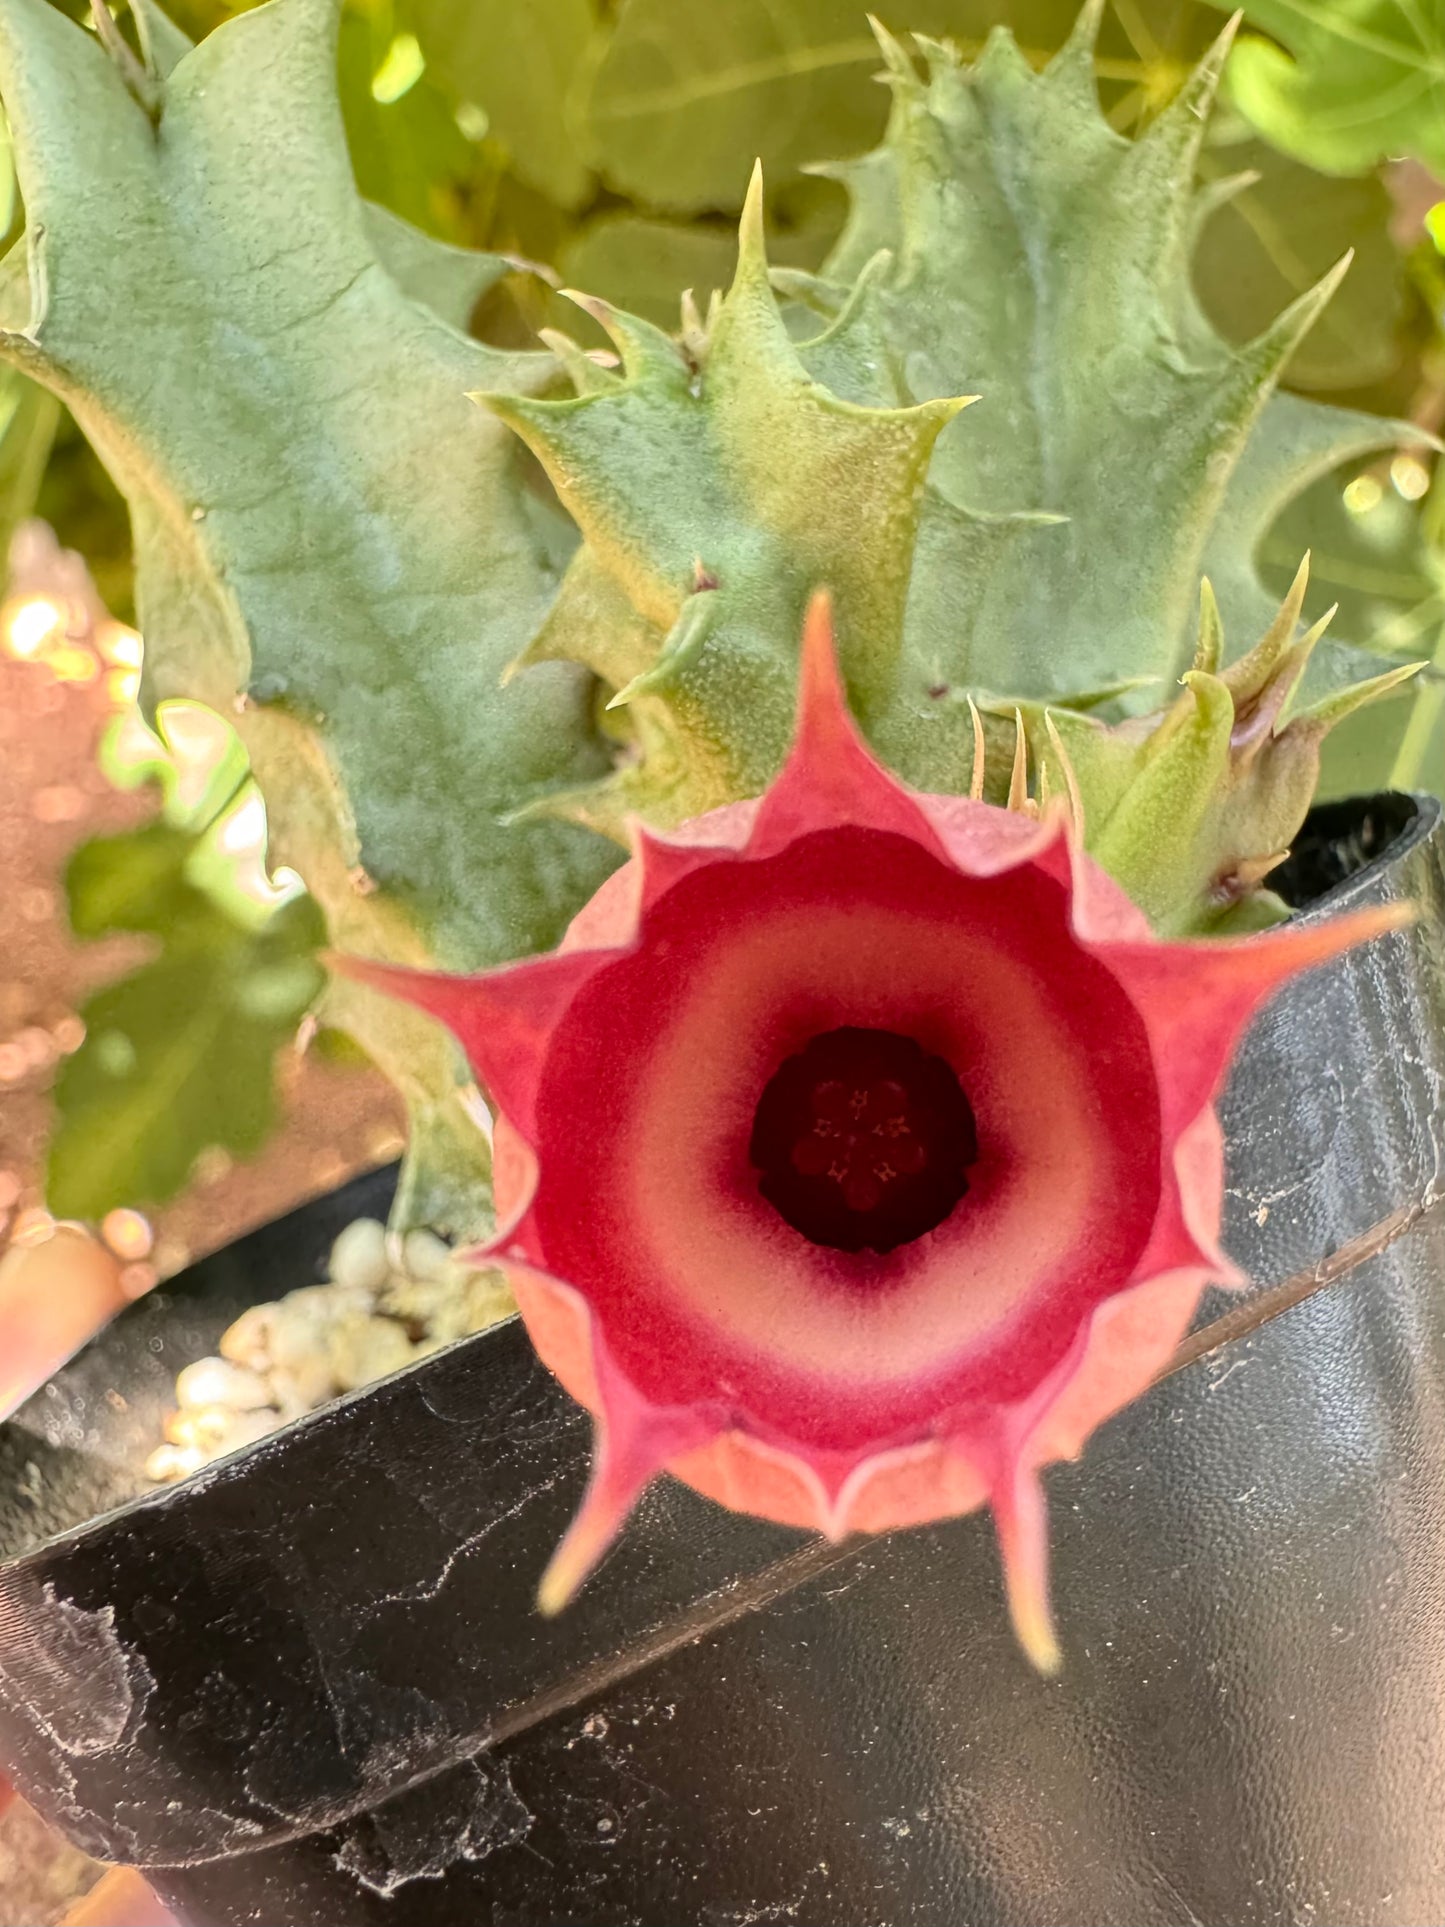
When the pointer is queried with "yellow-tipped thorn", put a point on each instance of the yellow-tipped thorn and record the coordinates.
(1070, 775)
(752, 235)
(980, 752)
(1209, 649)
(1018, 787)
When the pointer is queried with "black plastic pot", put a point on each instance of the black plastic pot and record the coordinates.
(308, 1685)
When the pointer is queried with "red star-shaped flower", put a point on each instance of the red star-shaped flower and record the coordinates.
(856, 1153)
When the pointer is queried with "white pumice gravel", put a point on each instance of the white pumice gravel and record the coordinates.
(359, 1255)
(216, 1381)
(385, 1303)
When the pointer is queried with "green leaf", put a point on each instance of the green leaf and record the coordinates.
(407, 151)
(520, 64)
(177, 1055)
(29, 419)
(1352, 82)
(135, 881)
(683, 97)
(1273, 240)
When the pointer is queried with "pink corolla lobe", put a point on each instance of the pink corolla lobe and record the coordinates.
(855, 1152)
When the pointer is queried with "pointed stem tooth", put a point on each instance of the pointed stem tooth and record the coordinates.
(644, 348)
(1074, 62)
(895, 60)
(587, 373)
(694, 334)
(1280, 633)
(1085, 30)
(1217, 194)
(1071, 779)
(1299, 656)
(1247, 678)
(939, 56)
(1295, 600)
(752, 268)
(524, 264)
(1018, 788)
(1265, 356)
(1323, 715)
(1202, 85)
(980, 751)
(854, 303)
(1210, 646)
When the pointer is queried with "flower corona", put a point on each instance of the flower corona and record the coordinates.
(855, 1154)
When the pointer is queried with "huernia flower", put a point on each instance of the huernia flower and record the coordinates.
(855, 1153)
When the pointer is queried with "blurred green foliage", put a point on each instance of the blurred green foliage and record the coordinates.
(179, 1053)
(1343, 84)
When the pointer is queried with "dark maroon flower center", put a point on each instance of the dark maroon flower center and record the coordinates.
(863, 1140)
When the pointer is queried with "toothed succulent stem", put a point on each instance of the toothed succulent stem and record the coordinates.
(1191, 809)
(1042, 555)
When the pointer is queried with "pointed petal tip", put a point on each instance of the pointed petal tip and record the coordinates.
(1036, 1636)
(559, 1584)
(433, 991)
(825, 720)
(1354, 927)
(1291, 949)
(1021, 1522)
(619, 1479)
(361, 970)
(1228, 1276)
(820, 685)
